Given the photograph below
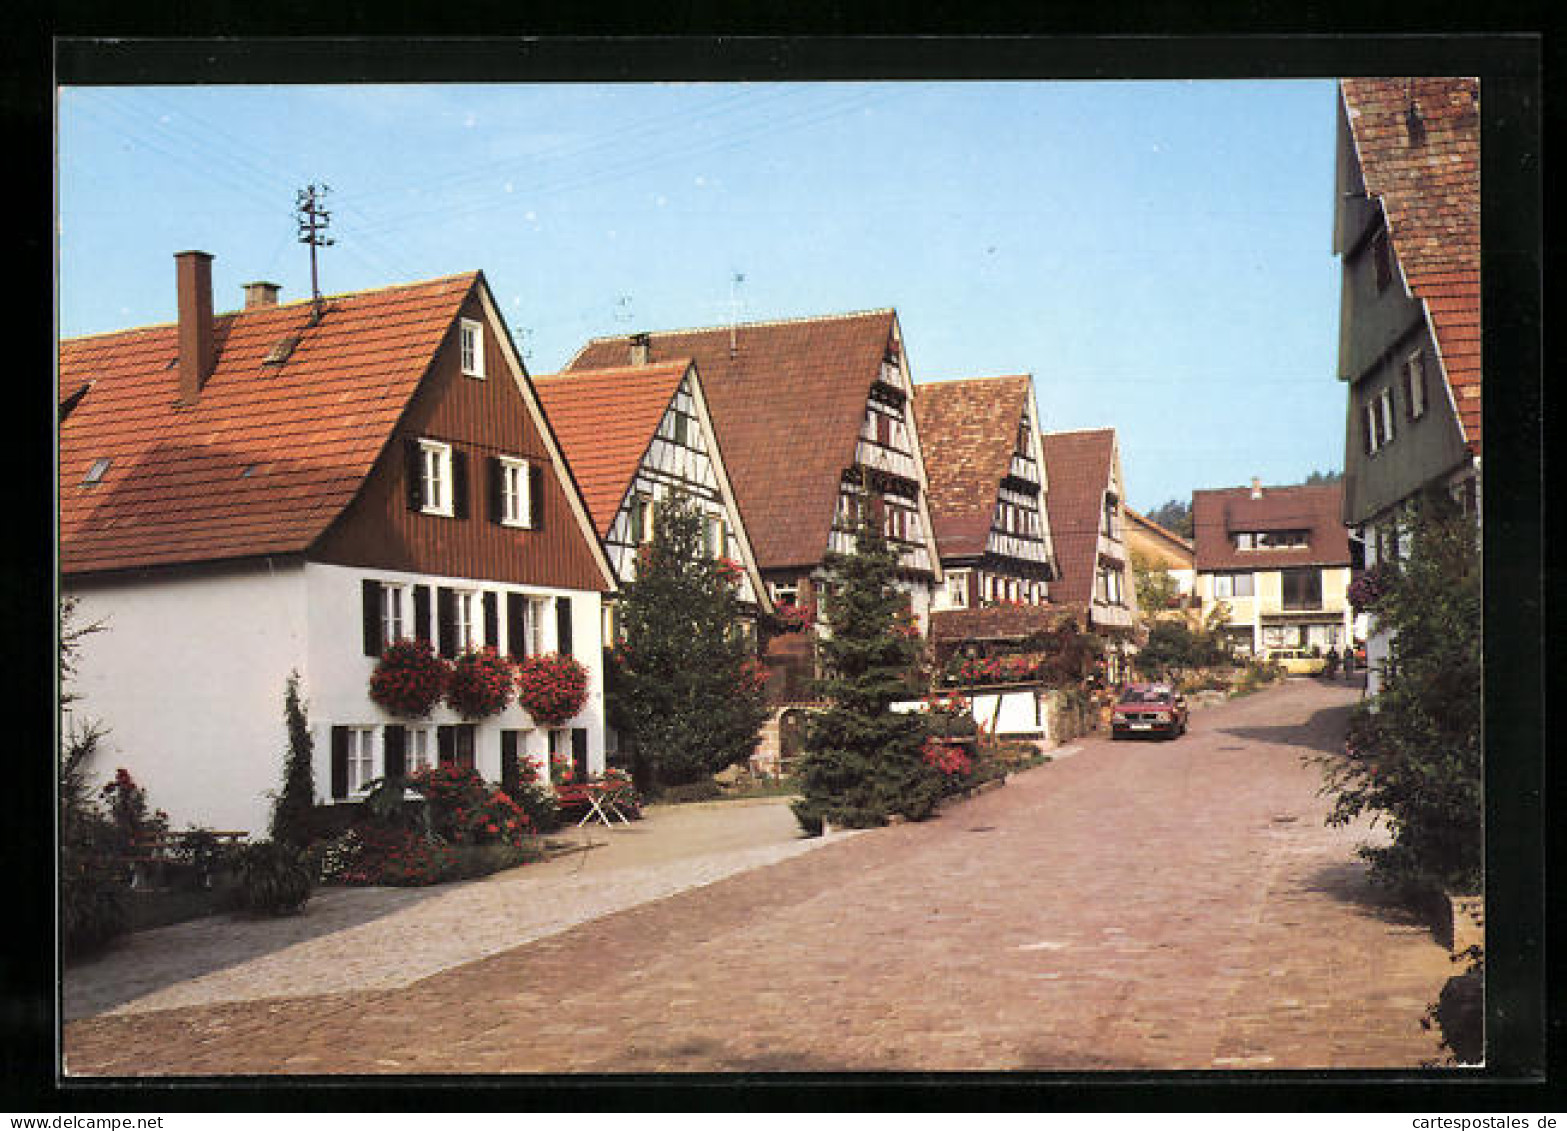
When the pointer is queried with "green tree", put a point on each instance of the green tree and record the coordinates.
(1175, 515)
(292, 808)
(1323, 478)
(685, 685)
(1156, 589)
(863, 761)
(1413, 752)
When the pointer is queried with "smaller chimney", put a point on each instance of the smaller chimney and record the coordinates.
(1256, 487)
(198, 349)
(260, 294)
(641, 349)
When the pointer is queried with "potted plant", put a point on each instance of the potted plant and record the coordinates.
(481, 684)
(409, 679)
(552, 687)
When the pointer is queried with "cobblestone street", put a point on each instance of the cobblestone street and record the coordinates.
(1137, 905)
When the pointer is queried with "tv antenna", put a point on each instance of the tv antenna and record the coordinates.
(313, 222)
(623, 311)
(734, 311)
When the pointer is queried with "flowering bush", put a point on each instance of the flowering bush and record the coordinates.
(561, 770)
(481, 684)
(533, 798)
(1370, 586)
(947, 758)
(792, 617)
(465, 809)
(731, 571)
(753, 674)
(553, 688)
(127, 805)
(969, 672)
(396, 857)
(409, 679)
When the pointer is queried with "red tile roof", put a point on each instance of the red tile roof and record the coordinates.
(787, 406)
(1078, 467)
(967, 430)
(605, 420)
(268, 455)
(1430, 193)
(1218, 513)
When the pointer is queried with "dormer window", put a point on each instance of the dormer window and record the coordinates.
(470, 335)
(96, 472)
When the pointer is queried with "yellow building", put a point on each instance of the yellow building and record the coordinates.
(1277, 559)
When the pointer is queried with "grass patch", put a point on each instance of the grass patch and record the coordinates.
(164, 907)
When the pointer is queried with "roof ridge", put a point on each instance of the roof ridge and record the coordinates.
(151, 326)
(972, 380)
(1080, 431)
(564, 375)
(743, 325)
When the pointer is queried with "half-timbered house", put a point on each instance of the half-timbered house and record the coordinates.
(291, 488)
(987, 498)
(636, 435)
(1087, 525)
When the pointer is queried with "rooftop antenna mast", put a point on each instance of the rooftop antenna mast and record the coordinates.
(313, 222)
(734, 310)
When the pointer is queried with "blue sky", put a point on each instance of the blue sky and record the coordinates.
(1156, 254)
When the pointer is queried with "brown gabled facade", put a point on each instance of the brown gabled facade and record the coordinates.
(987, 490)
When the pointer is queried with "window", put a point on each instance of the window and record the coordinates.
(1302, 588)
(435, 468)
(1270, 539)
(454, 744)
(957, 589)
(1108, 525)
(516, 507)
(471, 336)
(95, 472)
(679, 428)
(361, 758)
(641, 519)
(1382, 260)
(784, 594)
(1415, 385)
(1379, 421)
(421, 751)
(469, 611)
(392, 614)
(1227, 585)
(715, 538)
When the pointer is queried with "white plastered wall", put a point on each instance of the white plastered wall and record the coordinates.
(189, 676)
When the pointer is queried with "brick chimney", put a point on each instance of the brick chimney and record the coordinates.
(641, 349)
(1256, 487)
(260, 294)
(198, 350)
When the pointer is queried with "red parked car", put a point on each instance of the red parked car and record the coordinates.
(1149, 708)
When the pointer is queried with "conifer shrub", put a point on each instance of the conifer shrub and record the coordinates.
(863, 762)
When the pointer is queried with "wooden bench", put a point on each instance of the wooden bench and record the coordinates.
(150, 853)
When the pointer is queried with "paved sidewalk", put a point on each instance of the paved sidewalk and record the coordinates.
(1140, 905)
(382, 938)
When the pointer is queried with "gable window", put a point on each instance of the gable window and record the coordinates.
(1108, 525)
(679, 428)
(715, 539)
(641, 519)
(1379, 421)
(514, 481)
(435, 477)
(1415, 385)
(471, 336)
